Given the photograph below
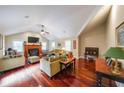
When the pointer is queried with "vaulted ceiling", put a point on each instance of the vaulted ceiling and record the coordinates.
(61, 21)
(99, 19)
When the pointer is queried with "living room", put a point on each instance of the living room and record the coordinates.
(41, 32)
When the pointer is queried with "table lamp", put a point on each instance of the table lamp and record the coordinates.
(117, 53)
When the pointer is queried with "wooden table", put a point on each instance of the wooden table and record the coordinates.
(103, 70)
(65, 63)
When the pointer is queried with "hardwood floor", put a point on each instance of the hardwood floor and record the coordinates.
(31, 76)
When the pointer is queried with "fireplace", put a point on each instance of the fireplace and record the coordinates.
(33, 52)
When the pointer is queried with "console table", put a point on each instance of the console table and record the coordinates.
(103, 70)
(11, 63)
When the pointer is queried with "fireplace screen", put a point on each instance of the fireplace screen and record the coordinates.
(33, 52)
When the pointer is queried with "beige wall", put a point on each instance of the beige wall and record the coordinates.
(93, 38)
(110, 28)
(116, 17)
(2, 51)
(21, 37)
(104, 36)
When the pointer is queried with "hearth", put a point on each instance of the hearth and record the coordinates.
(33, 52)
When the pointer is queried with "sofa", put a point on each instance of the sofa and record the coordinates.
(51, 64)
(11, 63)
(50, 68)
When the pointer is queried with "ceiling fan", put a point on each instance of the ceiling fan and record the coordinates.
(43, 32)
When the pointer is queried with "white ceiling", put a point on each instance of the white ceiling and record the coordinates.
(61, 21)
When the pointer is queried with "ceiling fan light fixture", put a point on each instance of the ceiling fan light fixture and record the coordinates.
(42, 30)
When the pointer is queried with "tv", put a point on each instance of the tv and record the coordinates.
(33, 40)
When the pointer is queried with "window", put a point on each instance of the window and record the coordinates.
(18, 45)
(68, 45)
(44, 45)
(53, 45)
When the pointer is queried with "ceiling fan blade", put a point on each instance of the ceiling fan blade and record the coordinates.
(47, 32)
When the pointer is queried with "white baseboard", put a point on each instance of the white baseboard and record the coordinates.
(81, 57)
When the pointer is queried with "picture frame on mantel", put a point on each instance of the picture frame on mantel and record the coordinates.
(1, 42)
(120, 35)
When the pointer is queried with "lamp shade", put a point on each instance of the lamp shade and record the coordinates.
(115, 52)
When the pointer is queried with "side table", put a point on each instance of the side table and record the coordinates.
(66, 63)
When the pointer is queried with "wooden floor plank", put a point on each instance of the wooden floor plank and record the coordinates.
(31, 76)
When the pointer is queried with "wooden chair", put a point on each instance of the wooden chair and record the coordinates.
(91, 53)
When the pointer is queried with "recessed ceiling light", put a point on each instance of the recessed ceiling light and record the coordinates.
(64, 31)
(26, 17)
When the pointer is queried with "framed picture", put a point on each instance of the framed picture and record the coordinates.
(59, 44)
(120, 35)
(74, 44)
(1, 42)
